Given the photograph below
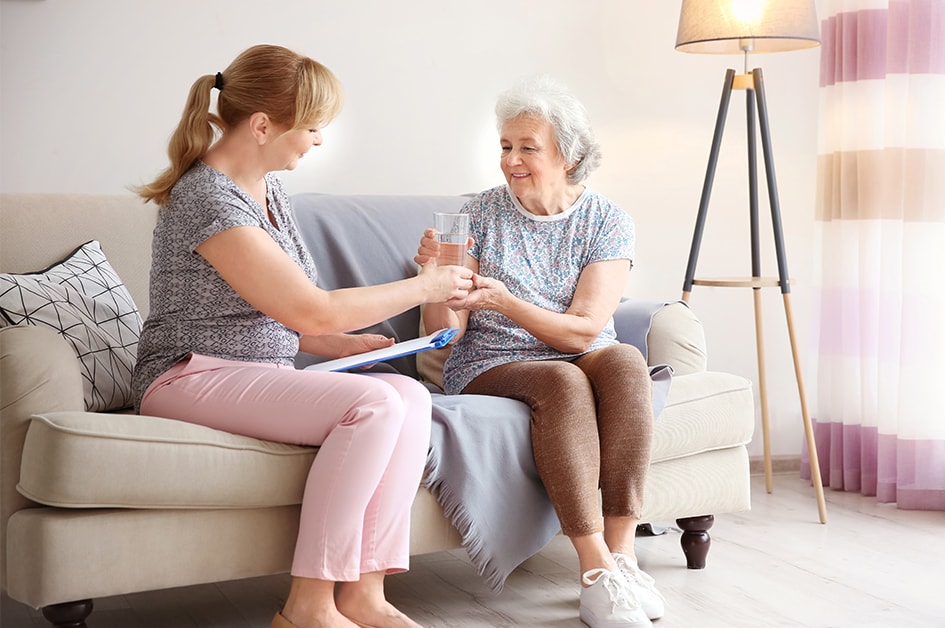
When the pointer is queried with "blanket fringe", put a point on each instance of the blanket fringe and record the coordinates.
(457, 514)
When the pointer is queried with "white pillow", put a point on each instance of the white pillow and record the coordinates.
(84, 300)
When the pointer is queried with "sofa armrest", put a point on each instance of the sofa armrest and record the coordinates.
(677, 338)
(39, 372)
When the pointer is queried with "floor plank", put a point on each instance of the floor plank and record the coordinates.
(871, 565)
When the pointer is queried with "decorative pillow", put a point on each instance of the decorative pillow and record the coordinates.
(84, 300)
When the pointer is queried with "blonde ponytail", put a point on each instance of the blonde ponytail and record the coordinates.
(291, 89)
(190, 141)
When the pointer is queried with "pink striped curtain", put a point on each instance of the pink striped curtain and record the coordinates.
(879, 407)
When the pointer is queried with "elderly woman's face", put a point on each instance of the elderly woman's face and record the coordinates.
(532, 165)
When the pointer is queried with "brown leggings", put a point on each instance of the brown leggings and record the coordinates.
(592, 427)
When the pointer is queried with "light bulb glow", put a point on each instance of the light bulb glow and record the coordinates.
(748, 12)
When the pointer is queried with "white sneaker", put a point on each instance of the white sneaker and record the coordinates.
(609, 602)
(643, 586)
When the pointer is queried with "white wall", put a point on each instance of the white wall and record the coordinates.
(90, 91)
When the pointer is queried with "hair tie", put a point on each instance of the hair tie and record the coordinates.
(219, 82)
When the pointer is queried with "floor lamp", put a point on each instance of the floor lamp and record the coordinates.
(740, 27)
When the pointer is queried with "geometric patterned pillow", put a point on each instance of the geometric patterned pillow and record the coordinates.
(83, 299)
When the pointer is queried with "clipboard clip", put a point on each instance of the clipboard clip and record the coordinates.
(443, 337)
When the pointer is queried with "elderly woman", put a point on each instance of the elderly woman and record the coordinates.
(551, 258)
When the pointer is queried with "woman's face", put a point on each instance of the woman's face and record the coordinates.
(533, 167)
(293, 144)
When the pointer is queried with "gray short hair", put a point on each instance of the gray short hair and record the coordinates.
(543, 97)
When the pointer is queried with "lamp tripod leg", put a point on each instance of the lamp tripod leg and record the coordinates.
(805, 414)
(763, 391)
(757, 85)
(707, 184)
(751, 144)
(758, 80)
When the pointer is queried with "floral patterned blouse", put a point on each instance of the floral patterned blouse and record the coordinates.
(540, 260)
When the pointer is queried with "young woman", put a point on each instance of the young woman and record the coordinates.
(233, 298)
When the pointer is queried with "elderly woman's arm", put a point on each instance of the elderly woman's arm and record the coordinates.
(597, 295)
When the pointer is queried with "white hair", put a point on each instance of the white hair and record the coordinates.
(545, 98)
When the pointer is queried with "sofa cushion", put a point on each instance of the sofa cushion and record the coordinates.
(83, 299)
(704, 412)
(86, 460)
(82, 460)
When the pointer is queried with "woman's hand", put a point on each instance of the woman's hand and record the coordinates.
(445, 282)
(360, 343)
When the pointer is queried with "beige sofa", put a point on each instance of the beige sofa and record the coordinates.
(102, 504)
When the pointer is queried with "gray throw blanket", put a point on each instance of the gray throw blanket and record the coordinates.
(481, 469)
(480, 465)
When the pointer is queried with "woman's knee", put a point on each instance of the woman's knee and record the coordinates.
(378, 398)
(416, 403)
(623, 360)
(563, 406)
(622, 385)
(537, 382)
(561, 379)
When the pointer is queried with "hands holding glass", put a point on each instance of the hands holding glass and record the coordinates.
(452, 238)
(446, 244)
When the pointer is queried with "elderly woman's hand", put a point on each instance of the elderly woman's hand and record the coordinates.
(429, 248)
(488, 294)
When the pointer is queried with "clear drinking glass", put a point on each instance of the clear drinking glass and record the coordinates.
(452, 232)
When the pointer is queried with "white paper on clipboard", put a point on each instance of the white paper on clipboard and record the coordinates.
(436, 340)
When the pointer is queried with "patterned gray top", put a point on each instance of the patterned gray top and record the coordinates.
(193, 310)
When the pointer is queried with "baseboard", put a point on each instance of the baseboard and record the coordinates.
(779, 464)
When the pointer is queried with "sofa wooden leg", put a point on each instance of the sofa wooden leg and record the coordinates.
(68, 614)
(695, 539)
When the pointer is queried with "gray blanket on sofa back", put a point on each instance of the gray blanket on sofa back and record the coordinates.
(480, 465)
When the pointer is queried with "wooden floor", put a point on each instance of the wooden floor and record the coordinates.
(870, 565)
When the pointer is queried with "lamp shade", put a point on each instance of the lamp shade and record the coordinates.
(736, 26)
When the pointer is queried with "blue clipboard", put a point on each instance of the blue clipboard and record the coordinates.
(436, 340)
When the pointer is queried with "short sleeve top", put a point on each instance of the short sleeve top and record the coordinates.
(540, 260)
(192, 308)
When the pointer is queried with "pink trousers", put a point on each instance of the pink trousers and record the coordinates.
(373, 431)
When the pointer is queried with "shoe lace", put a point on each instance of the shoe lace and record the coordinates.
(616, 586)
(632, 571)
